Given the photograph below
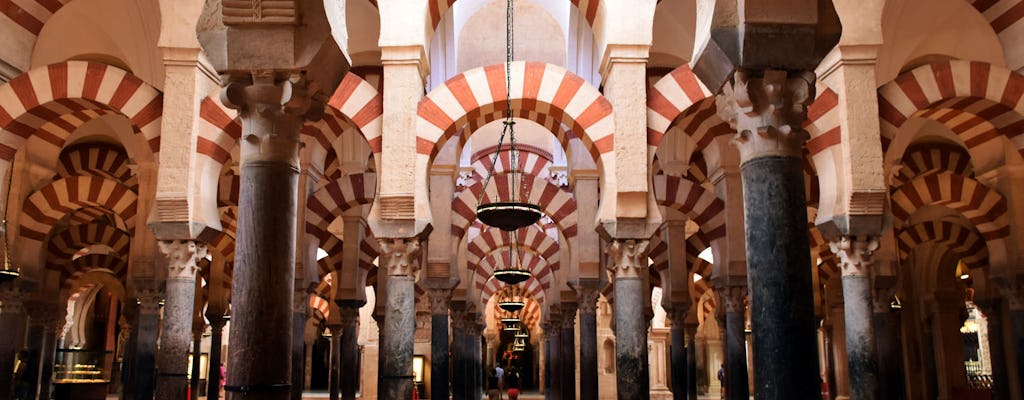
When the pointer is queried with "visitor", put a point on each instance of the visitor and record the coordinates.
(512, 383)
(500, 372)
(721, 378)
(493, 392)
(21, 383)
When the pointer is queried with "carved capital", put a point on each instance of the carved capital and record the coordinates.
(1012, 292)
(882, 298)
(586, 297)
(677, 314)
(439, 300)
(182, 257)
(856, 254)
(273, 111)
(300, 302)
(767, 112)
(349, 316)
(732, 297)
(400, 256)
(149, 300)
(12, 298)
(627, 257)
(46, 315)
(567, 318)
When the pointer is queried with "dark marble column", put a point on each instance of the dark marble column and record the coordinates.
(554, 336)
(131, 316)
(737, 385)
(548, 364)
(890, 350)
(856, 255)
(197, 353)
(379, 319)
(458, 349)
(400, 259)
(217, 321)
(300, 310)
(997, 351)
(440, 300)
(628, 263)
(568, 342)
(12, 333)
(349, 368)
(176, 332)
(34, 346)
(334, 372)
(691, 361)
(49, 351)
(1013, 294)
(144, 372)
(587, 298)
(476, 366)
(767, 109)
(272, 112)
(678, 355)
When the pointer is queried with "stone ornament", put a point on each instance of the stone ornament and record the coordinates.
(587, 298)
(182, 257)
(733, 297)
(856, 254)
(678, 313)
(767, 113)
(275, 12)
(11, 299)
(628, 257)
(274, 111)
(149, 300)
(349, 317)
(400, 256)
(438, 300)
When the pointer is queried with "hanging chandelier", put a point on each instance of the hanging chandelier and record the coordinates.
(9, 272)
(512, 299)
(522, 335)
(510, 320)
(514, 213)
(513, 273)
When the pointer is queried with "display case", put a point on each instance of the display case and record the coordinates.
(81, 374)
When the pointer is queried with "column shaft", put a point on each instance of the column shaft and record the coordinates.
(213, 377)
(334, 374)
(737, 385)
(12, 335)
(349, 361)
(458, 350)
(47, 355)
(144, 381)
(631, 368)
(439, 356)
(691, 362)
(298, 344)
(555, 376)
(34, 346)
(568, 342)
(861, 350)
(678, 361)
(588, 353)
(397, 347)
(548, 364)
(197, 352)
(890, 352)
(1017, 318)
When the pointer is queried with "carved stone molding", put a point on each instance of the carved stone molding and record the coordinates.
(257, 12)
(458, 318)
(149, 300)
(767, 112)
(677, 314)
(349, 317)
(567, 319)
(423, 325)
(300, 302)
(273, 111)
(400, 256)
(732, 297)
(439, 300)
(12, 299)
(182, 257)
(586, 298)
(856, 254)
(627, 257)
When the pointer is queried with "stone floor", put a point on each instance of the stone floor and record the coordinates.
(325, 396)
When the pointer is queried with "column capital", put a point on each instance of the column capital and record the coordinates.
(1012, 292)
(400, 256)
(349, 315)
(767, 112)
(856, 254)
(733, 297)
(300, 302)
(627, 257)
(567, 316)
(273, 108)
(149, 300)
(439, 300)
(44, 314)
(586, 297)
(12, 297)
(182, 257)
(678, 312)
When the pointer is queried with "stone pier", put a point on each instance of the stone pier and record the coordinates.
(399, 258)
(176, 331)
(628, 265)
(587, 298)
(440, 300)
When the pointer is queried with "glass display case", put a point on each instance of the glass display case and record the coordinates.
(81, 374)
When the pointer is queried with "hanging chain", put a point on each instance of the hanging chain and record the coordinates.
(508, 128)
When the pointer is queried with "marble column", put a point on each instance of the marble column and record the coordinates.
(144, 371)
(890, 350)
(334, 369)
(691, 361)
(272, 111)
(12, 333)
(737, 385)
(458, 349)
(1013, 293)
(548, 363)
(300, 313)
(197, 353)
(176, 332)
(856, 255)
(51, 325)
(217, 321)
(554, 336)
(767, 109)
(628, 264)
(400, 258)
(568, 357)
(996, 349)
(587, 298)
(678, 355)
(35, 342)
(439, 300)
(379, 320)
(349, 368)
(130, 311)
(476, 366)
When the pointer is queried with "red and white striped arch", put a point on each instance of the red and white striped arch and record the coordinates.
(115, 266)
(556, 202)
(330, 201)
(658, 253)
(532, 287)
(539, 87)
(541, 268)
(966, 242)
(47, 205)
(51, 102)
(977, 101)
(228, 189)
(530, 237)
(223, 244)
(98, 159)
(689, 197)
(981, 205)
(530, 316)
(531, 161)
(63, 245)
(1005, 17)
(932, 158)
(673, 95)
(822, 123)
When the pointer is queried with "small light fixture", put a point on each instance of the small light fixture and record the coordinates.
(522, 335)
(417, 368)
(512, 299)
(964, 276)
(9, 272)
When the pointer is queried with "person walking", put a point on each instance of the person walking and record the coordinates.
(512, 382)
(493, 391)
